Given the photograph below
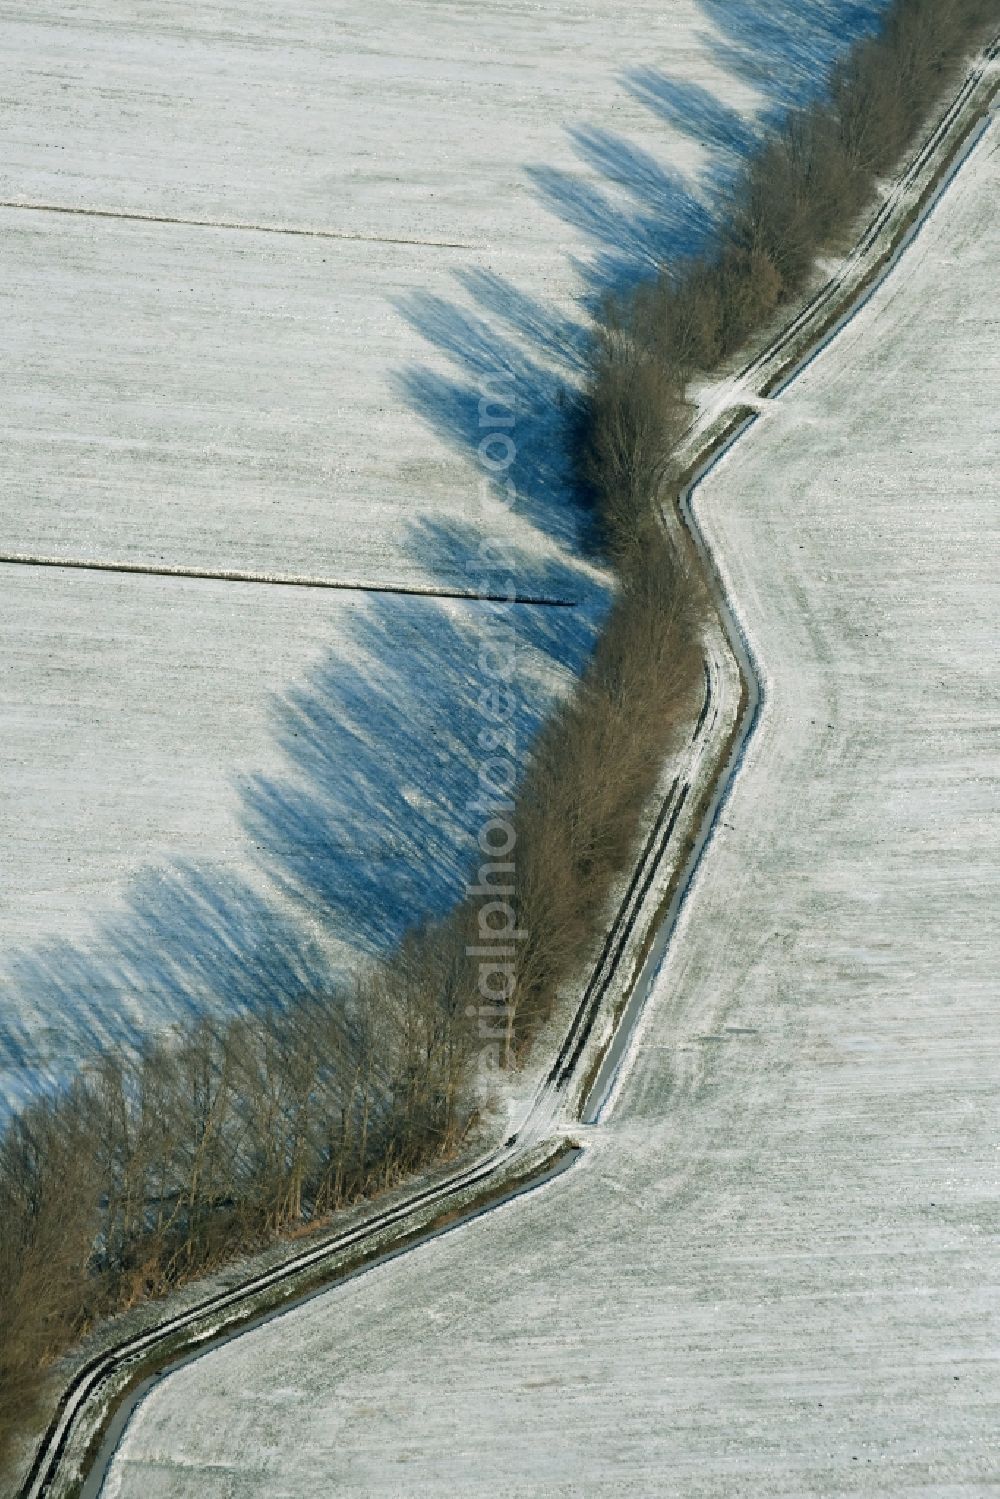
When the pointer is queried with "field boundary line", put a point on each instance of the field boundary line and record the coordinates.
(136, 216)
(281, 580)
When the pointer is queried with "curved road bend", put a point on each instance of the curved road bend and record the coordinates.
(786, 1218)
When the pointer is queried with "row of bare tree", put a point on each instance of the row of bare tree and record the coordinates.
(157, 1165)
(153, 1167)
(795, 197)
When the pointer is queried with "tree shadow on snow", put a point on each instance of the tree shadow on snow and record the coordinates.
(786, 49)
(372, 824)
(190, 941)
(369, 828)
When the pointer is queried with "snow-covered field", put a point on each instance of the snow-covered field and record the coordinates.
(285, 733)
(184, 387)
(775, 1271)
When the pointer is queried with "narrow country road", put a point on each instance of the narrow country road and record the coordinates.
(774, 1269)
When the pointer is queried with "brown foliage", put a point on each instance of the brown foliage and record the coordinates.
(594, 767)
(634, 418)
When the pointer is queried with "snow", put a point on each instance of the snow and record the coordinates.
(121, 697)
(184, 387)
(774, 1271)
